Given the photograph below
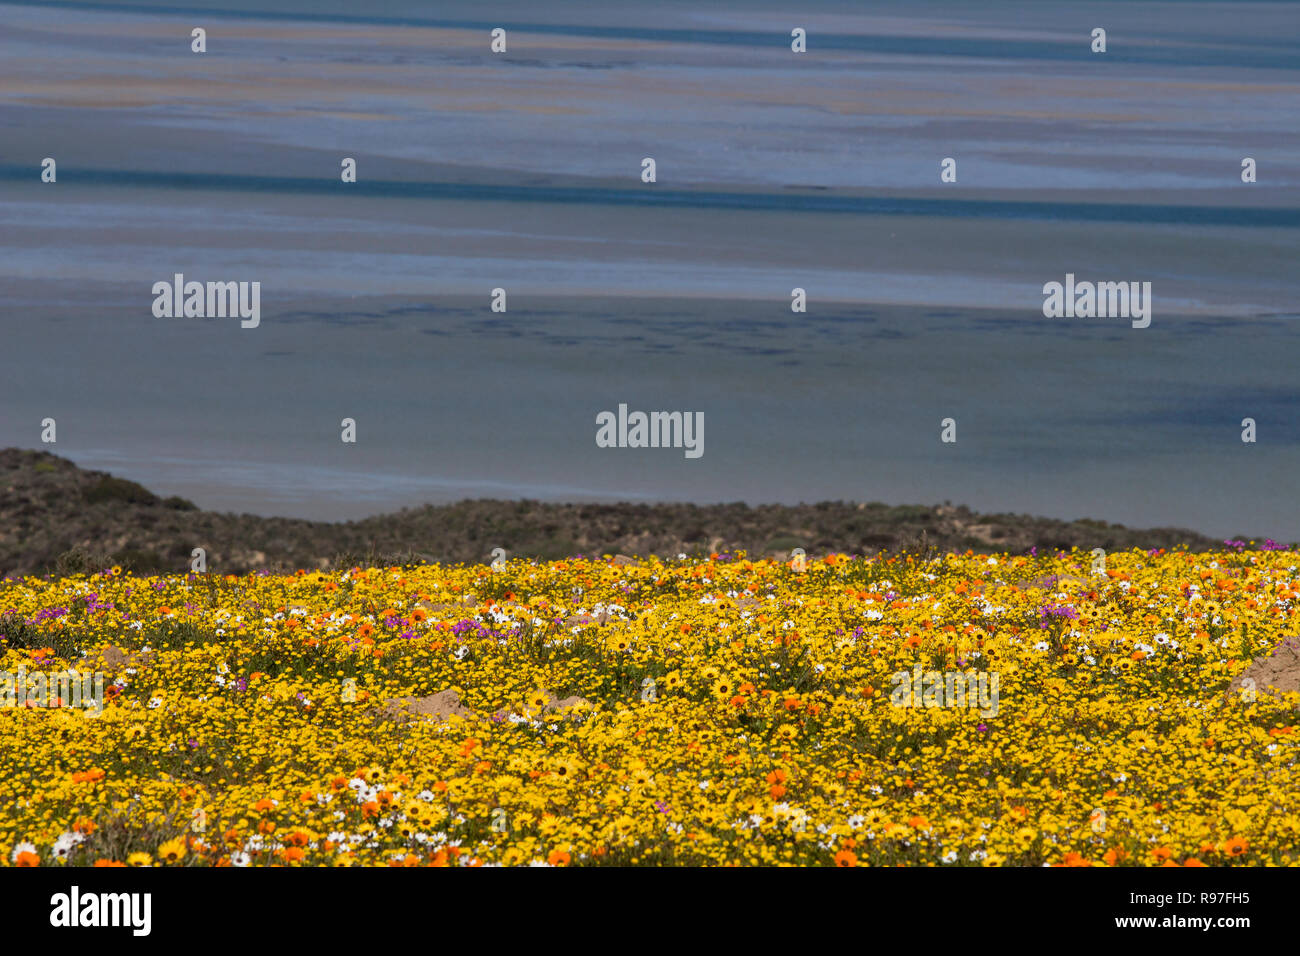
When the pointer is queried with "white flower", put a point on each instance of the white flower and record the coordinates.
(240, 858)
(22, 848)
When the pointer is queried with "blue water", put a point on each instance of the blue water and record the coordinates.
(1267, 52)
(776, 171)
(1180, 214)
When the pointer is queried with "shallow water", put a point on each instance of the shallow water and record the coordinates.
(775, 171)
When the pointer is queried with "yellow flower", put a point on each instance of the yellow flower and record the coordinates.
(173, 851)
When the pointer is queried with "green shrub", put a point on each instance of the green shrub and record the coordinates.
(120, 490)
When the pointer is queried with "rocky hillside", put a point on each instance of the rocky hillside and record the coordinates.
(55, 516)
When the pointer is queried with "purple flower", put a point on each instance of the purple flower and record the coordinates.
(1048, 612)
(982, 728)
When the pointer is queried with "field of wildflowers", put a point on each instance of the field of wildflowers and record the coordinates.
(718, 711)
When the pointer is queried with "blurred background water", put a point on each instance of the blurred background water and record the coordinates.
(775, 170)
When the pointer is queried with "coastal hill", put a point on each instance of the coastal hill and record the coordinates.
(57, 517)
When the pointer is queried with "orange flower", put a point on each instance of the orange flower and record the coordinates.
(109, 863)
(846, 858)
(558, 858)
(27, 858)
(1236, 846)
